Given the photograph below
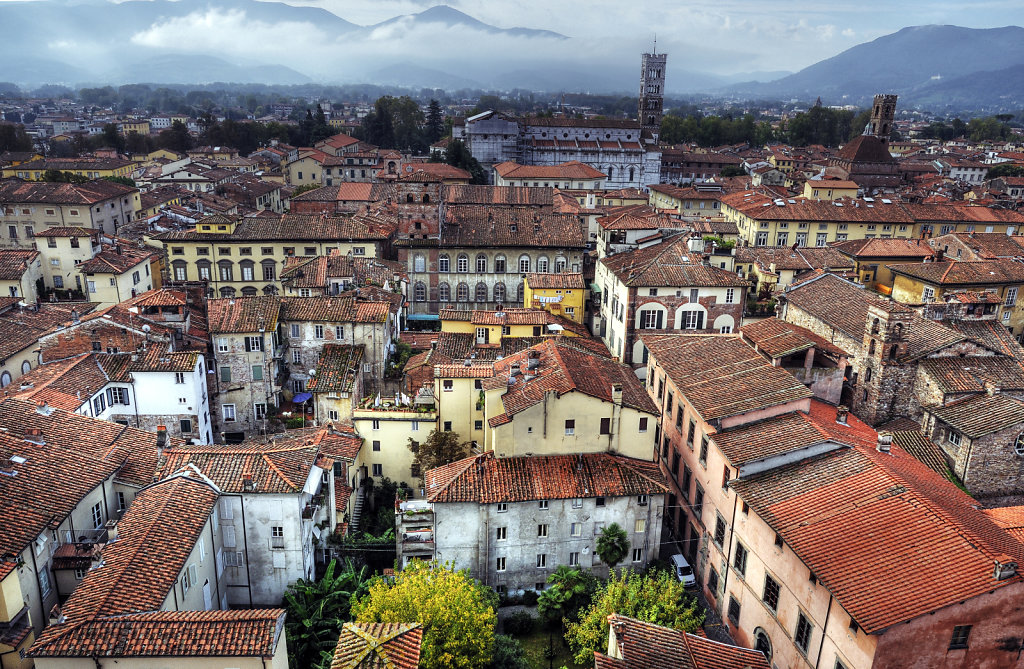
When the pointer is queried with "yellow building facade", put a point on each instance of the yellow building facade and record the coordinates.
(558, 294)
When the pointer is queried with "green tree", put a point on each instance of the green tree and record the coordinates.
(508, 654)
(458, 154)
(434, 129)
(124, 181)
(64, 177)
(113, 138)
(176, 138)
(656, 597)
(733, 171)
(612, 545)
(571, 588)
(440, 448)
(456, 611)
(1005, 170)
(317, 610)
(14, 138)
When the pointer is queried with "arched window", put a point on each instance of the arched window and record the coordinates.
(443, 263)
(270, 290)
(542, 264)
(763, 643)
(462, 292)
(204, 269)
(893, 350)
(227, 291)
(419, 263)
(5, 380)
(1018, 446)
(871, 347)
(26, 367)
(630, 173)
(481, 292)
(248, 272)
(611, 170)
(180, 268)
(874, 326)
(426, 198)
(519, 293)
(481, 263)
(408, 198)
(560, 263)
(524, 264)
(419, 292)
(867, 373)
(444, 292)
(499, 264)
(249, 291)
(499, 292)
(462, 264)
(898, 331)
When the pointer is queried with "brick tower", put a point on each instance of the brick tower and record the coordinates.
(882, 114)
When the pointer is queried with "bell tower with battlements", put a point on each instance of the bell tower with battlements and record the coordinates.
(883, 111)
(652, 91)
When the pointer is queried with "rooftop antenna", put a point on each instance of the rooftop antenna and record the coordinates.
(655, 44)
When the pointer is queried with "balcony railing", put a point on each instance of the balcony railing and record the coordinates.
(86, 536)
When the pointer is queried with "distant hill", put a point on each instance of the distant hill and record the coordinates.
(909, 62)
(452, 18)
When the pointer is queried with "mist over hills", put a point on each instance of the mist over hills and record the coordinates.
(94, 42)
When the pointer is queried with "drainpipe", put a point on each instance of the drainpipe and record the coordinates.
(245, 549)
(732, 536)
(824, 627)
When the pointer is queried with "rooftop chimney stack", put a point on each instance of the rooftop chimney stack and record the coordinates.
(841, 413)
(884, 444)
(161, 438)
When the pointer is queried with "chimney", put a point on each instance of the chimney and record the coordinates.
(514, 369)
(34, 435)
(617, 393)
(991, 388)
(161, 438)
(841, 413)
(1005, 568)
(884, 442)
(247, 484)
(433, 344)
(533, 360)
(43, 409)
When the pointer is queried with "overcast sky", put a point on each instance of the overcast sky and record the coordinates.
(723, 37)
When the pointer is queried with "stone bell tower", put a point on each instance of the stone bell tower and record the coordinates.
(882, 114)
(652, 91)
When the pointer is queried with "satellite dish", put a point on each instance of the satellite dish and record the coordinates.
(146, 329)
(312, 372)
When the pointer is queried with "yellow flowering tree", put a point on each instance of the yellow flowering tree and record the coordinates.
(456, 611)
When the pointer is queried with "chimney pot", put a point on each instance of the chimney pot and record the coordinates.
(884, 444)
(841, 413)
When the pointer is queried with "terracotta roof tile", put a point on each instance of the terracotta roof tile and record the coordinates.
(487, 479)
(497, 195)
(337, 369)
(824, 507)
(298, 227)
(564, 280)
(879, 247)
(43, 192)
(573, 169)
(378, 646)
(252, 633)
(564, 368)
(644, 645)
(155, 537)
(721, 375)
(280, 466)
(490, 226)
(777, 338)
(963, 273)
(15, 262)
(670, 263)
(977, 416)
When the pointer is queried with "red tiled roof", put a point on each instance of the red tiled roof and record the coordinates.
(221, 634)
(280, 466)
(115, 261)
(497, 195)
(488, 479)
(337, 368)
(573, 169)
(825, 508)
(777, 338)
(721, 375)
(378, 646)
(15, 262)
(564, 368)
(644, 645)
(977, 416)
(43, 192)
(155, 537)
(564, 280)
(963, 273)
(879, 247)
(670, 263)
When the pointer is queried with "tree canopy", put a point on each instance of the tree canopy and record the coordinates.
(457, 613)
(656, 597)
(440, 448)
(612, 545)
(317, 610)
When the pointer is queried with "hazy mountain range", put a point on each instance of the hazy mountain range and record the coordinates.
(88, 42)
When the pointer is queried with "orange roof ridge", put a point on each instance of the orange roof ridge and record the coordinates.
(278, 471)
